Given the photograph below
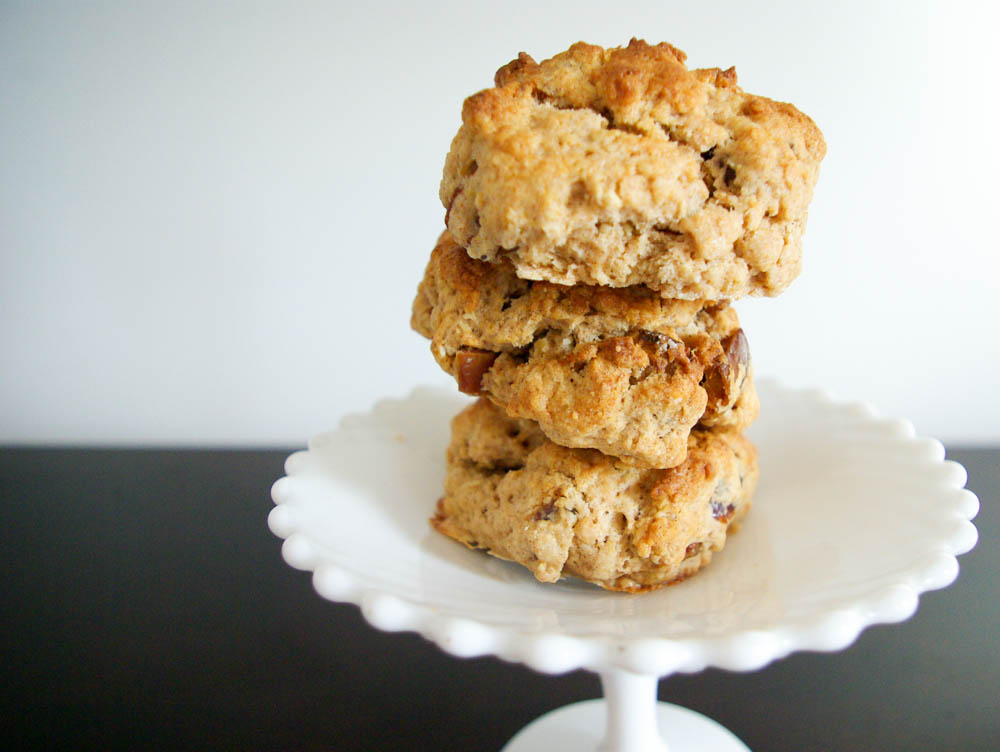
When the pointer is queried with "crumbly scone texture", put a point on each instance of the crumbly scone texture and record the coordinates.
(578, 512)
(620, 370)
(621, 167)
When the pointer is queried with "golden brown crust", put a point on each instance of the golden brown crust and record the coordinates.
(621, 370)
(621, 167)
(578, 512)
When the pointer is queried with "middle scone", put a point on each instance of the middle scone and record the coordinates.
(620, 370)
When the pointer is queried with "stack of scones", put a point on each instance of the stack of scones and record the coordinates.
(604, 207)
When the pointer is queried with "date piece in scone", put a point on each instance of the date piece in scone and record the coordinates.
(578, 512)
(620, 167)
(621, 370)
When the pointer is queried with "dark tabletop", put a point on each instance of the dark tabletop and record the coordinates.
(146, 606)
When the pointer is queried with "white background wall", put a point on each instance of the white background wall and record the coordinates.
(213, 216)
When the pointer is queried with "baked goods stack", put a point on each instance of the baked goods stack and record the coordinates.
(604, 207)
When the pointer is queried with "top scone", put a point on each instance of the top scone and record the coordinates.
(621, 167)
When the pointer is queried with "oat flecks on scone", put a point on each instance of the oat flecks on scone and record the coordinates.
(621, 370)
(578, 512)
(621, 167)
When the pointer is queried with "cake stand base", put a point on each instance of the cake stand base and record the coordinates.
(581, 726)
(627, 719)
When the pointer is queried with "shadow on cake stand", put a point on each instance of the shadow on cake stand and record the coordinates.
(825, 552)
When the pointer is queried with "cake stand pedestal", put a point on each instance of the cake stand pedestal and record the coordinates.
(628, 718)
(854, 517)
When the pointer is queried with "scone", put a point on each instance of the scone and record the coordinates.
(621, 370)
(578, 512)
(622, 167)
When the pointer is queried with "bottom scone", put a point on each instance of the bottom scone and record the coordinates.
(560, 511)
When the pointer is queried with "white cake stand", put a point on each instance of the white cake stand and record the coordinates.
(853, 518)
